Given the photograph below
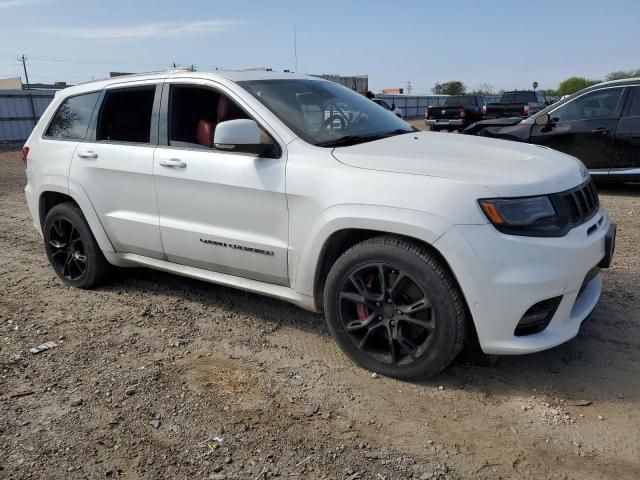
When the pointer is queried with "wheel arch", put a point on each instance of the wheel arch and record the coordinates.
(53, 194)
(341, 227)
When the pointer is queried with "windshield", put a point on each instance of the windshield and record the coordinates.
(459, 100)
(324, 113)
(518, 97)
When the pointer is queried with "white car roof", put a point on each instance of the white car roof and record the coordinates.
(232, 75)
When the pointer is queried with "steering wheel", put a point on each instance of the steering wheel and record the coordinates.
(329, 122)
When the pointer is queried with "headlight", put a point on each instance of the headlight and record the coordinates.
(533, 216)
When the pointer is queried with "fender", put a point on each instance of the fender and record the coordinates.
(411, 223)
(73, 189)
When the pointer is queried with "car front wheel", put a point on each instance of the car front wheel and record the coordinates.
(394, 308)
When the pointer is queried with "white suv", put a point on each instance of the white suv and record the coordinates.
(303, 190)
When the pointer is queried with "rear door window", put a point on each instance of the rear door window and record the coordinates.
(125, 115)
(72, 118)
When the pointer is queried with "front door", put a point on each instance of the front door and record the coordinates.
(584, 127)
(221, 211)
(627, 138)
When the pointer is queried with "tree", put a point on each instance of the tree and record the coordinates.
(484, 90)
(535, 85)
(453, 87)
(620, 74)
(573, 84)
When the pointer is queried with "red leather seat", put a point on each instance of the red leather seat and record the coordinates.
(205, 132)
(227, 110)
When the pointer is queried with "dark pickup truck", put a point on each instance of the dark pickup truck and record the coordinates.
(516, 104)
(458, 112)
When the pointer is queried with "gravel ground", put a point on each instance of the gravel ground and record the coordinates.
(157, 376)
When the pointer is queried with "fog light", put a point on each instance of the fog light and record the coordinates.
(537, 317)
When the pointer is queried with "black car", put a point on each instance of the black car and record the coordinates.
(600, 125)
(520, 103)
(457, 112)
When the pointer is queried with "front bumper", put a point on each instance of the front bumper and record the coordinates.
(502, 276)
(444, 122)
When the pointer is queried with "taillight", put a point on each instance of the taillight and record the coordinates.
(484, 109)
(526, 110)
(25, 154)
(426, 111)
(462, 112)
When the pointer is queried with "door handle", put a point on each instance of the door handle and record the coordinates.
(600, 131)
(173, 163)
(88, 155)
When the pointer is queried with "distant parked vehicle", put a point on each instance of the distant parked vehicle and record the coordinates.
(516, 104)
(599, 125)
(457, 112)
(391, 107)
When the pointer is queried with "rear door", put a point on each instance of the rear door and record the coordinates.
(115, 166)
(626, 152)
(585, 127)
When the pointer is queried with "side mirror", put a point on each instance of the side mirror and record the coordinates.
(544, 120)
(393, 106)
(240, 136)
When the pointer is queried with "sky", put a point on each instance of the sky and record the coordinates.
(506, 44)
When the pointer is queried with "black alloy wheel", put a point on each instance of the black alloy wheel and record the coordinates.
(67, 251)
(386, 314)
(394, 307)
(71, 247)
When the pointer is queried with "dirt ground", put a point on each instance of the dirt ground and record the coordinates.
(157, 376)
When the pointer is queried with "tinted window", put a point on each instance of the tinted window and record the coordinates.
(634, 109)
(125, 115)
(72, 118)
(593, 105)
(194, 113)
(518, 97)
(458, 100)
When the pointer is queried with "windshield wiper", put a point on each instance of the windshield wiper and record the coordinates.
(355, 139)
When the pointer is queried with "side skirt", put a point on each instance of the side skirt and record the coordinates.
(275, 291)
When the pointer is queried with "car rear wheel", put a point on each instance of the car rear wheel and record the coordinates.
(72, 251)
(394, 308)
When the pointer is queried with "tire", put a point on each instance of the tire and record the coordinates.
(71, 248)
(355, 308)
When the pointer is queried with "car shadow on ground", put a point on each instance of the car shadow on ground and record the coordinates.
(596, 364)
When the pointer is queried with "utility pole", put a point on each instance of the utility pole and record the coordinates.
(23, 59)
(409, 87)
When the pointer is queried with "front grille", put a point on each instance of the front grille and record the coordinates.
(582, 203)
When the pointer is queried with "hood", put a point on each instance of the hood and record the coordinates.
(509, 169)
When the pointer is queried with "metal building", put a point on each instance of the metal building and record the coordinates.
(19, 113)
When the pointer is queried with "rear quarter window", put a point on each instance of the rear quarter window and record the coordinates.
(72, 118)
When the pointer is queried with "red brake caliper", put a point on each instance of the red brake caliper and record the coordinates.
(363, 312)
